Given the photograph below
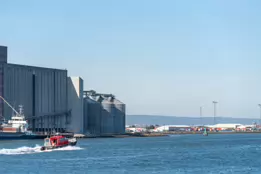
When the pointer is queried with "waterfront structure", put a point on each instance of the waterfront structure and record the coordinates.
(219, 127)
(171, 128)
(3, 54)
(225, 126)
(92, 114)
(54, 102)
(105, 113)
(42, 92)
(75, 104)
(245, 128)
(135, 129)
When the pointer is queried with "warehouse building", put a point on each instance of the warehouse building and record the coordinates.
(41, 91)
(53, 101)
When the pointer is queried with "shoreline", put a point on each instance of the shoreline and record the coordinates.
(132, 135)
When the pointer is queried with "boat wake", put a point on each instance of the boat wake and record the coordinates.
(32, 150)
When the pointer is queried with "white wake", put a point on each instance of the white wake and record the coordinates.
(31, 150)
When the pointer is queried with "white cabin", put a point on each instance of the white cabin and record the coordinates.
(18, 121)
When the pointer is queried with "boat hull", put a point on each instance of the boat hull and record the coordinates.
(19, 136)
(43, 148)
(72, 143)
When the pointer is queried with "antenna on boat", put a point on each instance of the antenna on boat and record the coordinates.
(21, 109)
(9, 105)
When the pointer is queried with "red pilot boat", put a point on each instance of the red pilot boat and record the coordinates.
(58, 141)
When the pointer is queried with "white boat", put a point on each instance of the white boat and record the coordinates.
(16, 127)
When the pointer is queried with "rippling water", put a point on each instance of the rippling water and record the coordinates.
(180, 154)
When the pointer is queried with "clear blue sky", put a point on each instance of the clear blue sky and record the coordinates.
(159, 57)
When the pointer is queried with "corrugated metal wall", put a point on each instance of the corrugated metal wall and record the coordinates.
(85, 114)
(17, 89)
(3, 54)
(92, 116)
(107, 118)
(120, 117)
(1, 91)
(106, 114)
(42, 91)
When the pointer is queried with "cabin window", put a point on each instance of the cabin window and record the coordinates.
(47, 142)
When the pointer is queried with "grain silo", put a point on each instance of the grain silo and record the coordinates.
(92, 115)
(119, 117)
(108, 115)
(85, 115)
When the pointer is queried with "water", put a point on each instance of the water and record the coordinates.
(178, 154)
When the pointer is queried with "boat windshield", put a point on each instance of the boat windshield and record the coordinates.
(47, 142)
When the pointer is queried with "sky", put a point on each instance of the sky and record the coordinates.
(159, 57)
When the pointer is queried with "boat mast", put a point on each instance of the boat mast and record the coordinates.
(9, 105)
(20, 109)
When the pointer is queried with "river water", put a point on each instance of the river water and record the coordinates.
(178, 154)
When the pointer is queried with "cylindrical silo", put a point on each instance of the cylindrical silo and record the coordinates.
(93, 116)
(106, 115)
(108, 111)
(116, 120)
(85, 115)
(120, 117)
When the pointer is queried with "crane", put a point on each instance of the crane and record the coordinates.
(9, 105)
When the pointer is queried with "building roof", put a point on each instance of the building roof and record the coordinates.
(226, 125)
(34, 67)
(176, 126)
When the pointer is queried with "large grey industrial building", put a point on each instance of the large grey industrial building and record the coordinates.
(52, 100)
(105, 114)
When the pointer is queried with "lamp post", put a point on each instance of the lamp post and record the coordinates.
(260, 114)
(215, 111)
(200, 112)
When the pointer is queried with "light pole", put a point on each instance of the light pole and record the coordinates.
(260, 114)
(200, 111)
(215, 111)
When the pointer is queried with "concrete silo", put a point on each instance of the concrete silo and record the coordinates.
(85, 115)
(108, 115)
(92, 116)
(119, 122)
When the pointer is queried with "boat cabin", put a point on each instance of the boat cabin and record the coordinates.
(56, 141)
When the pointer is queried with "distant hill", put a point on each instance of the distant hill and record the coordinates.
(161, 120)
